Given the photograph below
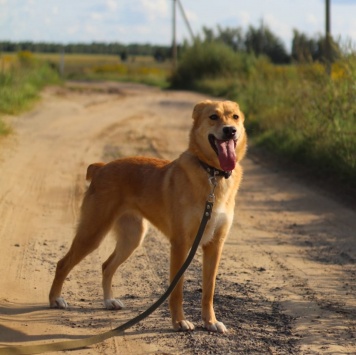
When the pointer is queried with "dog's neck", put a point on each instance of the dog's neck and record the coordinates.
(213, 171)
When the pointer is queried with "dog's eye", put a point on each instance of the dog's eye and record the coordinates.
(214, 117)
(235, 117)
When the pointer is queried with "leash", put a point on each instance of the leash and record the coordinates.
(82, 343)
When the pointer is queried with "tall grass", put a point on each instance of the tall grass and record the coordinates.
(296, 111)
(302, 113)
(20, 84)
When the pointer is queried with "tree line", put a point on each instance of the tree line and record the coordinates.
(114, 48)
(257, 40)
(262, 41)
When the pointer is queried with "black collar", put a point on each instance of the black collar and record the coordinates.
(215, 172)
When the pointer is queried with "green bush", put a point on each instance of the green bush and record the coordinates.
(208, 60)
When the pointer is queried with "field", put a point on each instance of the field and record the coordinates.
(141, 69)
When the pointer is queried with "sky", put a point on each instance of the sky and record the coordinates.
(150, 21)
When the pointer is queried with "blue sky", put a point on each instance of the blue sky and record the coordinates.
(149, 21)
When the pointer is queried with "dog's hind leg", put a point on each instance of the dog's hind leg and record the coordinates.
(130, 229)
(93, 226)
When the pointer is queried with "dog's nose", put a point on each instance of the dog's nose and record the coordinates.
(229, 132)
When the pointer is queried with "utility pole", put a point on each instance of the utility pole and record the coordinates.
(186, 20)
(61, 62)
(327, 37)
(174, 30)
(174, 39)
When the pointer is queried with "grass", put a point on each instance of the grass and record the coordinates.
(21, 80)
(301, 113)
(295, 111)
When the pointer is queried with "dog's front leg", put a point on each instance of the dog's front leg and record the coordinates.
(179, 253)
(211, 258)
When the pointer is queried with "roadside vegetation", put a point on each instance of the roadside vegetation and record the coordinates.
(22, 78)
(293, 108)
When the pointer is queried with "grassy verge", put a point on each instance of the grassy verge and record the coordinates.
(295, 111)
(305, 115)
(20, 84)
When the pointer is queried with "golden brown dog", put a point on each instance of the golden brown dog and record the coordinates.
(171, 195)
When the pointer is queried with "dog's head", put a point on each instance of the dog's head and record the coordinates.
(218, 135)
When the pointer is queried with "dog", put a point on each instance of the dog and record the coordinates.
(127, 192)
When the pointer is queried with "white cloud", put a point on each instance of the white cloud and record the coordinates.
(72, 30)
(112, 4)
(279, 25)
(312, 19)
(244, 18)
(153, 10)
(96, 16)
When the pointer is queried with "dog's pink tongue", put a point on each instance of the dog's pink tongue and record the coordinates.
(226, 154)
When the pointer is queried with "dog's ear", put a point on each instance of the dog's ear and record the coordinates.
(198, 108)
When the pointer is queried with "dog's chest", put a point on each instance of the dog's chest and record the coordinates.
(219, 222)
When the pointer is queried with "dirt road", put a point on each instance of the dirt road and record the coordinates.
(287, 279)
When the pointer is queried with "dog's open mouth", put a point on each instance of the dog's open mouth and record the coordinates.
(225, 150)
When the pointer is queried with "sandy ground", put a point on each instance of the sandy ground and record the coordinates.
(287, 279)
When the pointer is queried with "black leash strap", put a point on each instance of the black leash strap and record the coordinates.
(82, 343)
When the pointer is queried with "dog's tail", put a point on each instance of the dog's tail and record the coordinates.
(92, 170)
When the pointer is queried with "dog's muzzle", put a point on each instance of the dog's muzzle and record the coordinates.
(229, 132)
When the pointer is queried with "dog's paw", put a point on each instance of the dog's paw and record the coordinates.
(59, 302)
(217, 327)
(183, 326)
(113, 303)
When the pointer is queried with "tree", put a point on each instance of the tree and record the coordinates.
(305, 49)
(233, 37)
(263, 41)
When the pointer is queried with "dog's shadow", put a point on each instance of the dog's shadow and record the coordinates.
(11, 313)
(14, 316)
(13, 309)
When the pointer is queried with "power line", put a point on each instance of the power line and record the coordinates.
(186, 20)
(327, 37)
